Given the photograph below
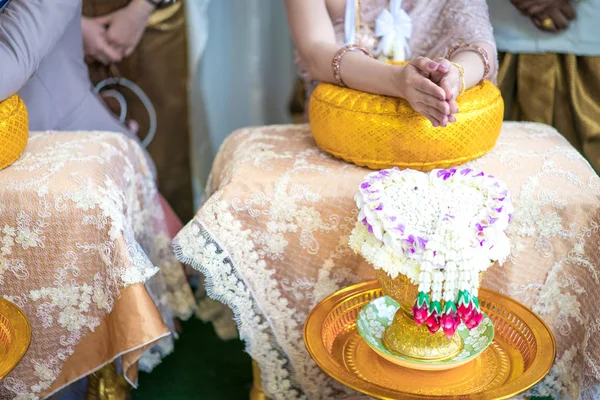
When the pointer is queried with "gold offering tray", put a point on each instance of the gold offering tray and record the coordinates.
(521, 354)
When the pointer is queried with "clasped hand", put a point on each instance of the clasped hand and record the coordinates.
(110, 38)
(431, 87)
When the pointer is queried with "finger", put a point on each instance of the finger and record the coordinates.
(424, 85)
(568, 11)
(129, 51)
(444, 65)
(441, 106)
(98, 56)
(425, 64)
(538, 21)
(448, 88)
(431, 119)
(112, 54)
(434, 112)
(453, 107)
(560, 21)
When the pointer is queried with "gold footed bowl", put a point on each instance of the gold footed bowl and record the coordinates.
(14, 130)
(403, 336)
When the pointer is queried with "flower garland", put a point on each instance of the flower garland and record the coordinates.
(440, 229)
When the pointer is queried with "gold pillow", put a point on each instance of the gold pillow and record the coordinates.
(14, 130)
(382, 132)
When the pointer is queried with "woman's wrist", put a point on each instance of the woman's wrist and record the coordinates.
(396, 81)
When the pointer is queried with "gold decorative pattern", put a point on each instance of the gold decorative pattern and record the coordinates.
(404, 336)
(14, 130)
(522, 353)
(15, 336)
(382, 132)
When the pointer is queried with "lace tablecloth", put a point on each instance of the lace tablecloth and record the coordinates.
(85, 253)
(272, 242)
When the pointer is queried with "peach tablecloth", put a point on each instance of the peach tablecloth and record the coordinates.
(84, 251)
(272, 240)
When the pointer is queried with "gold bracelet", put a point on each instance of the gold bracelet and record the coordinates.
(337, 59)
(461, 73)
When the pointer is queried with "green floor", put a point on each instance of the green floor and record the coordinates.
(202, 367)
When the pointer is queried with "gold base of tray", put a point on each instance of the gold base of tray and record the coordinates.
(521, 354)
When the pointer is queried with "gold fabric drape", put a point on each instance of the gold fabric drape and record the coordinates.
(159, 66)
(562, 90)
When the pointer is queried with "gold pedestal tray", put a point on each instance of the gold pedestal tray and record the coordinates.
(521, 354)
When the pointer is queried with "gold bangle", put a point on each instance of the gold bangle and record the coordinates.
(337, 59)
(461, 73)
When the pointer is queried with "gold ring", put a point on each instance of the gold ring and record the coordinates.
(548, 23)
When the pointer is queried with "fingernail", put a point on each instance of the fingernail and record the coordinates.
(433, 65)
(443, 67)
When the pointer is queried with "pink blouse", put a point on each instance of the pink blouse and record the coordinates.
(438, 25)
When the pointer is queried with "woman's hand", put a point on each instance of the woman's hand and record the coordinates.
(547, 15)
(124, 27)
(426, 97)
(448, 78)
(95, 43)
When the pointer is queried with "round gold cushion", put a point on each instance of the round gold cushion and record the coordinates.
(14, 130)
(382, 132)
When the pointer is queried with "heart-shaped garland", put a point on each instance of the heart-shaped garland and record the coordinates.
(440, 229)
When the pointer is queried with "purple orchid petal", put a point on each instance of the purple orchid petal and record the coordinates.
(364, 221)
(422, 242)
(479, 174)
(400, 227)
(466, 171)
(379, 207)
(365, 185)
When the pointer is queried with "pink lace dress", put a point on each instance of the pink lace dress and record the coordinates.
(438, 25)
(272, 239)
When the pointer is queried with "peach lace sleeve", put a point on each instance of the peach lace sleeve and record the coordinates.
(468, 21)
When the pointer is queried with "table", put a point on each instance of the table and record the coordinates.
(85, 254)
(272, 239)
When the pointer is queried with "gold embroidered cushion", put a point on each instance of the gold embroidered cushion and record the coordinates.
(14, 130)
(382, 132)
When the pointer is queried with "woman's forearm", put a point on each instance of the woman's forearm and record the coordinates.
(358, 71)
(473, 63)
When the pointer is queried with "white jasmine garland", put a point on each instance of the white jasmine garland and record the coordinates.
(440, 229)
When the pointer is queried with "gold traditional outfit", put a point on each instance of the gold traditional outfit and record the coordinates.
(159, 66)
(553, 78)
(562, 90)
